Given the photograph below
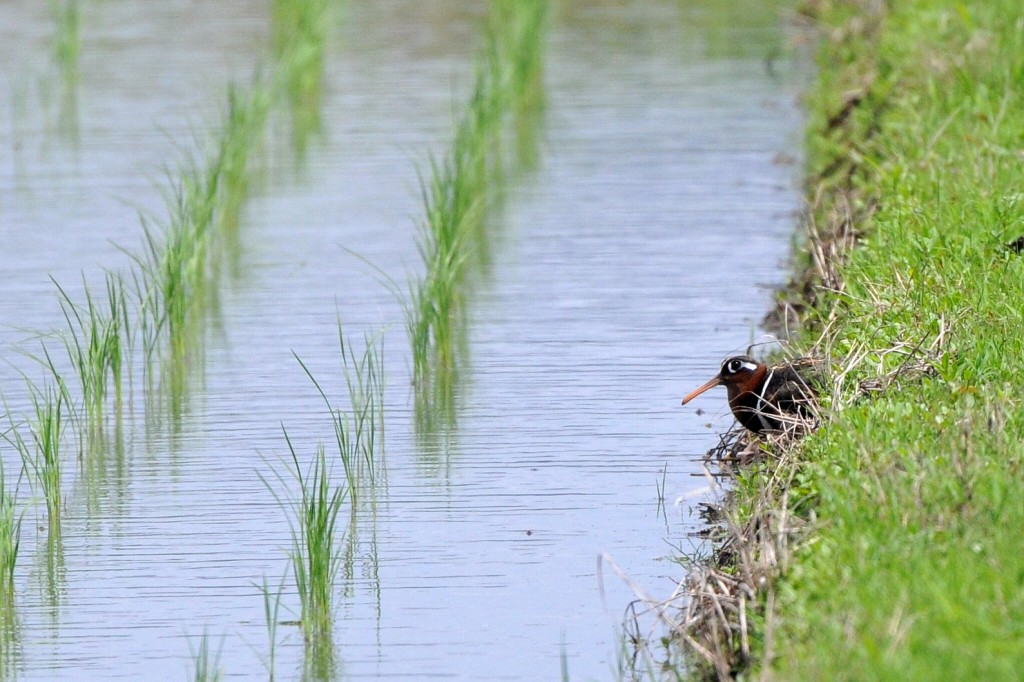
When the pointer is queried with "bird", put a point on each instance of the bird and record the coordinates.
(766, 398)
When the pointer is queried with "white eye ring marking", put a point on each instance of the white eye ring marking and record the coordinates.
(734, 366)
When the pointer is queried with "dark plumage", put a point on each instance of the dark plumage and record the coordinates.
(764, 398)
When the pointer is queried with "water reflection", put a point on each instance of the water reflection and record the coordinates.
(593, 304)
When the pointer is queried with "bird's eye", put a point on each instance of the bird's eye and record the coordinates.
(734, 366)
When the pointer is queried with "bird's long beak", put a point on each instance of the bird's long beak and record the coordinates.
(717, 381)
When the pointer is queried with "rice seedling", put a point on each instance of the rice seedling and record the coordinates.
(359, 432)
(315, 557)
(205, 664)
(42, 456)
(271, 608)
(67, 43)
(242, 132)
(10, 543)
(97, 345)
(173, 265)
(320, 663)
(458, 193)
(521, 27)
(10, 641)
(299, 29)
(179, 265)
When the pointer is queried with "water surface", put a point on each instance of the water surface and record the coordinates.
(638, 251)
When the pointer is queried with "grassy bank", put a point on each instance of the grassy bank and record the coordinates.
(890, 540)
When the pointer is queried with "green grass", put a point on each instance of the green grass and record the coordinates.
(97, 343)
(914, 567)
(321, 549)
(42, 448)
(177, 272)
(315, 555)
(299, 32)
(240, 136)
(67, 41)
(205, 663)
(10, 543)
(359, 430)
(271, 611)
(458, 190)
(176, 275)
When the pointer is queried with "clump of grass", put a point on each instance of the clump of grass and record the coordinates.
(905, 562)
(173, 266)
(315, 555)
(205, 664)
(97, 345)
(67, 43)
(520, 29)
(41, 450)
(359, 431)
(299, 31)
(457, 194)
(178, 267)
(10, 543)
(271, 609)
(240, 135)
(318, 551)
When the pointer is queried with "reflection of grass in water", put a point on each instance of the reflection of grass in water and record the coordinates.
(457, 194)
(10, 640)
(97, 345)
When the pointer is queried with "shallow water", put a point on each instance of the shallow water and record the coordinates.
(638, 252)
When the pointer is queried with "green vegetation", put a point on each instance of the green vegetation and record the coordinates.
(41, 453)
(205, 664)
(271, 609)
(890, 539)
(97, 346)
(359, 432)
(458, 192)
(67, 42)
(10, 542)
(299, 29)
(320, 549)
(178, 265)
(315, 548)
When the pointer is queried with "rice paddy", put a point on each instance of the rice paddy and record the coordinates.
(169, 317)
